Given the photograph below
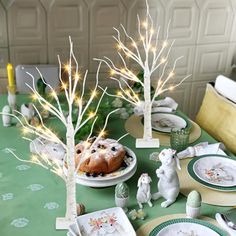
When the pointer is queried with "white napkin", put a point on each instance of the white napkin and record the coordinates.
(164, 105)
(162, 109)
(166, 102)
(202, 149)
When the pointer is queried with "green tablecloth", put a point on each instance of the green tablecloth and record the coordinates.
(32, 197)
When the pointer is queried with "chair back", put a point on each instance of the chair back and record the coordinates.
(217, 117)
(49, 72)
(226, 87)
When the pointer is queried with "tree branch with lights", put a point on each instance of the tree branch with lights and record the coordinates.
(156, 56)
(84, 115)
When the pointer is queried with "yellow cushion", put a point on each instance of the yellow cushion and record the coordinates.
(217, 116)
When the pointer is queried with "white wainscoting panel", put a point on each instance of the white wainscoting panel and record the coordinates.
(3, 27)
(28, 55)
(184, 18)
(26, 23)
(216, 21)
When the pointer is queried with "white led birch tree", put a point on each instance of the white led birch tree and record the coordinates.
(74, 101)
(155, 57)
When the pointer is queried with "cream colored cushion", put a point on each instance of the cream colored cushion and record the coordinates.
(217, 116)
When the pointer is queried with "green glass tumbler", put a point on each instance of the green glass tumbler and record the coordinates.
(179, 139)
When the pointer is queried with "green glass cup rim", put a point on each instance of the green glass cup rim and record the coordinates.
(180, 131)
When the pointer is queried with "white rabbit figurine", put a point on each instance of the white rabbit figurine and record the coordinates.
(28, 111)
(6, 119)
(144, 191)
(168, 184)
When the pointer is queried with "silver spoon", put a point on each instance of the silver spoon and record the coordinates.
(228, 222)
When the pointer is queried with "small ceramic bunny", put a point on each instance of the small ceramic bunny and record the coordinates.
(28, 111)
(168, 184)
(6, 119)
(144, 191)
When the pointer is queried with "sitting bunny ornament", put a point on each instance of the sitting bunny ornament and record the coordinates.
(144, 191)
(28, 111)
(6, 118)
(168, 184)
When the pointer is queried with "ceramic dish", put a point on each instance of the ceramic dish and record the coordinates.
(186, 227)
(106, 183)
(219, 171)
(164, 122)
(109, 222)
(122, 174)
(206, 183)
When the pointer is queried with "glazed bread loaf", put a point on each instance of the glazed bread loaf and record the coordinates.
(101, 156)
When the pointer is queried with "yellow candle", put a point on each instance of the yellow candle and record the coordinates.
(10, 75)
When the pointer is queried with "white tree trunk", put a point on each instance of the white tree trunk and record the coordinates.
(147, 132)
(71, 211)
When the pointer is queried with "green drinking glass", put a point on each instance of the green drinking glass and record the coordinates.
(179, 139)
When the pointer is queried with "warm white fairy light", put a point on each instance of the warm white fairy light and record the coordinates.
(94, 93)
(34, 97)
(67, 67)
(25, 130)
(165, 44)
(77, 76)
(145, 24)
(64, 85)
(155, 56)
(119, 46)
(163, 60)
(171, 74)
(112, 72)
(53, 94)
(91, 114)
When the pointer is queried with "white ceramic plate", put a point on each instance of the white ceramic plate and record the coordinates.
(164, 122)
(109, 222)
(216, 170)
(188, 229)
(113, 178)
(106, 183)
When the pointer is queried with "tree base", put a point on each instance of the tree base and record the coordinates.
(62, 223)
(147, 143)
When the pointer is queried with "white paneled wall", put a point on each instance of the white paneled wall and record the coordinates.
(36, 31)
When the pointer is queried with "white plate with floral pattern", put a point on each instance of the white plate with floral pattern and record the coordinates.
(216, 170)
(109, 222)
(186, 227)
(164, 122)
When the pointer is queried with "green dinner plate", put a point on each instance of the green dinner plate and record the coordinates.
(208, 185)
(163, 225)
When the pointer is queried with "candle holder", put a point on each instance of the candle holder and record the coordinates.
(12, 97)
